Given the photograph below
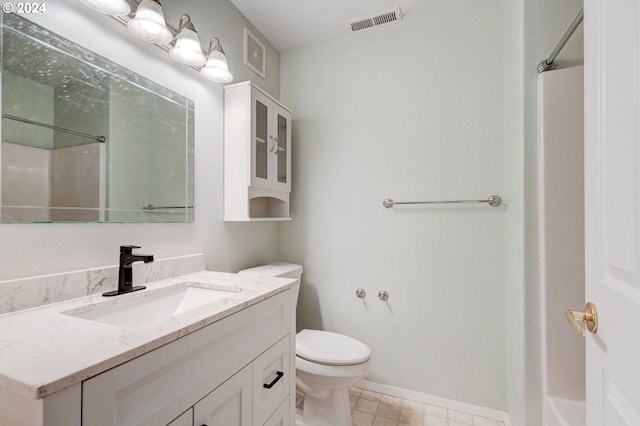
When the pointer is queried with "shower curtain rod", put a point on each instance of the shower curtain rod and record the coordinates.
(100, 139)
(547, 64)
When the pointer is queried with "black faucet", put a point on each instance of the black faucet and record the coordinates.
(125, 274)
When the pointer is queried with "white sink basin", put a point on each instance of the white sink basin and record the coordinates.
(149, 306)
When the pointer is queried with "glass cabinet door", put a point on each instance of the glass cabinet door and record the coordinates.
(262, 140)
(282, 158)
(270, 144)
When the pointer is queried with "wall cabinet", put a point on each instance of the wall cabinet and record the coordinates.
(257, 155)
(270, 142)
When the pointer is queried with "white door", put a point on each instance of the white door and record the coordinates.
(612, 209)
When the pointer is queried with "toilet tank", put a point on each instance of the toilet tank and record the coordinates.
(279, 269)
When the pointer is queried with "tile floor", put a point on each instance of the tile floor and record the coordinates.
(375, 409)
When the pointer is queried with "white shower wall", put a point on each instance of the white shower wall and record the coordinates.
(77, 179)
(44, 179)
(399, 113)
(25, 183)
(561, 192)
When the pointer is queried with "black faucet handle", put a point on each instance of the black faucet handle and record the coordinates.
(128, 249)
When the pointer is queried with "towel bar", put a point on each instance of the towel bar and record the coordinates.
(493, 201)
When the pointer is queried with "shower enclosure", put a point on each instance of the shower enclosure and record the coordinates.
(561, 212)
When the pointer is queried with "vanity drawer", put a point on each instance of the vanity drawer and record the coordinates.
(186, 419)
(271, 378)
(281, 416)
(157, 387)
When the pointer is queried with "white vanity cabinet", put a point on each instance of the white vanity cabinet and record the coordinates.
(281, 416)
(226, 362)
(257, 155)
(243, 400)
(186, 419)
(217, 374)
(230, 404)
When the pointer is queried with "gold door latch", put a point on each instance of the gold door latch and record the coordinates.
(589, 316)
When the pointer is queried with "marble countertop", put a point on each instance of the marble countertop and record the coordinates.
(44, 350)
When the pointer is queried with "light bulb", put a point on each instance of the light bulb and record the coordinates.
(187, 49)
(149, 24)
(216, 68)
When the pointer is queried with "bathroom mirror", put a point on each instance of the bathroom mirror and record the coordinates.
(85, 139)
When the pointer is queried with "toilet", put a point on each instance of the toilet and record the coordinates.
(327, 364)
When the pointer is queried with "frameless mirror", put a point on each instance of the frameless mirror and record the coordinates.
(85, 139)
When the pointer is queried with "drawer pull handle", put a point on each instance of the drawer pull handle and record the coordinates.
(272, 384)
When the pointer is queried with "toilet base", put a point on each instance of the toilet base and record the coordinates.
(333, 410)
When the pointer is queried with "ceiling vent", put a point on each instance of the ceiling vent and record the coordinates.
(382, 18)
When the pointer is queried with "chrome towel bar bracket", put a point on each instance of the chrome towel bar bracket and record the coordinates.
(493, 201)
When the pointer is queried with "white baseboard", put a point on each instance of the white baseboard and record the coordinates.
(437, 401)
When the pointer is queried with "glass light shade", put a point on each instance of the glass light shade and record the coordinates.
(187, 49)
(216, 68)
(149, 24)
(109, 7)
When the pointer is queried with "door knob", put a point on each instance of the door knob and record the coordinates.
(589, 316)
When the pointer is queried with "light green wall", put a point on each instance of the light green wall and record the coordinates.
(410, 112)
(531, 30)
(515, 314)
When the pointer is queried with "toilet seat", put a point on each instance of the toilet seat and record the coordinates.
(324, 347)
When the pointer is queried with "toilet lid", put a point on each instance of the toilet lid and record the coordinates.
(324, 347)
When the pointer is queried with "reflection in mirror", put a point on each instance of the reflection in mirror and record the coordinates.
(85, 139)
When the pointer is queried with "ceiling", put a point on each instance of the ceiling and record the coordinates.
(291, 24)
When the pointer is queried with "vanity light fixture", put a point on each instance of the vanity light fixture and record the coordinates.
(149, 24)
(216, 68)
(109, 7)
(187, 49)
